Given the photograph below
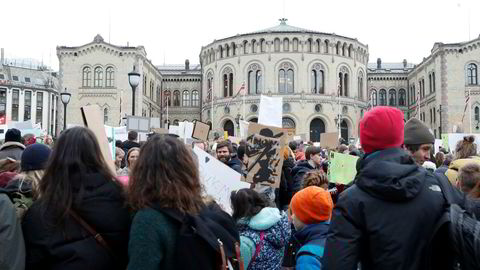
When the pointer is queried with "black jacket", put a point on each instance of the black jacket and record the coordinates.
(285, 192)
(235, 164)
(386, 219)
(127, 145)
(298, 172)
(102, 206)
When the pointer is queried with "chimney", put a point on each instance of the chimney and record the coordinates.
(379, 63)
(404, 63)
(2, 57)
(187, 64)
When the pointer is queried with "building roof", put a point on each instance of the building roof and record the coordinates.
(390, 67)
(178, 69)
(28, 77)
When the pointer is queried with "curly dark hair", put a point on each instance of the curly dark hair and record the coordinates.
(165, 174)
(315, 178)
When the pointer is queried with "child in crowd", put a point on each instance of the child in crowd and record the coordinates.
(264, 231)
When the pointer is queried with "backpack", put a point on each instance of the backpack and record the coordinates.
(457, 233)
(211, 237)
(22, 200)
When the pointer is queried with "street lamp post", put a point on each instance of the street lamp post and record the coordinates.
(134, 80)
(440, 127)
(65, 96)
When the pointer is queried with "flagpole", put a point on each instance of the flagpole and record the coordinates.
(168, 99)
(244, 101)
(470, 110)
(211, 101)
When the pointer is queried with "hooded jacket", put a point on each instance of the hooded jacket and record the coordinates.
(298, 172)
(12, 150)
(276, 229)
(235, 164)
(386, 219)
(102, 205)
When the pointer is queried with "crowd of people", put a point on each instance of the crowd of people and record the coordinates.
(63, 207)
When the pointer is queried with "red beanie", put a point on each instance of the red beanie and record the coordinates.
(381, 128)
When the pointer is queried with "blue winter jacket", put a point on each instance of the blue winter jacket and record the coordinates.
(276, 229)
(313, 238)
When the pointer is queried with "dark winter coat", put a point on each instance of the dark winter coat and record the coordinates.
(102, 206)
(386, 219)
(12, 150)
(285, 192)
(12, 248)
(235, 164)
(298, 172)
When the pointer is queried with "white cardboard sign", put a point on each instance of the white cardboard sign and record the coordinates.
(270, 113)
(217, 179)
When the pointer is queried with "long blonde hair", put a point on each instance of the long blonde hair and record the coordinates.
(34, 177)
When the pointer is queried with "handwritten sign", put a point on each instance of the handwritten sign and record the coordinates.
(218, 180)
(270, 113)
(342, 168)
(200, 131)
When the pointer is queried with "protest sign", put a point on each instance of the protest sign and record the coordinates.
(225, 135)
(217, 179)
(342, 168)
(437, 145)
(243, 129)
(270, 111)
(175, 130)
(140, 124)
(445, 142)
(187, 134)
(234, 139)
(329, 140)
(93, 119)
(200, 131)
(160, 130)
(264, 152)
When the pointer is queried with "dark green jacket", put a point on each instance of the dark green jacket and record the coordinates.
(152, 241)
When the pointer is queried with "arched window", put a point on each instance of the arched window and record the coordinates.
(337, 48)
(227, 82)
(326, 46)
(477, 113)
(343, 80)
(195, 98)
(430, 83)
(167, 101)
(288, 123)
(319, 46)
(373, 98)
(98, 77)
(286, 78)
(185, 99)
(262, 45)
(344, 49)
(295, 45)
(350, 49)
(433, 82)
(221, 52)
(383, 97)
(392, 97)
(87, 76)
(105, 115)
(286, 45)
(402, 96)
(110, 77)
(472, 74)
(309, 45)
(176, 98)
(227, 50)
(318, 79)
(254, 46)
(234, 49)
(276, 44)
(254, 79)
(209, 85)
(360, 85)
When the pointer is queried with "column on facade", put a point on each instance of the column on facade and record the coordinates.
(8, 109)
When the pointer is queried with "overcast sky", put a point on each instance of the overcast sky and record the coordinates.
(173, 31)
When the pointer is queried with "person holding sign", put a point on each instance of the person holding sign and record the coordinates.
(224, 154)
(385, 220)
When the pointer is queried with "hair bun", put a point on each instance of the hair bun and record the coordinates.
(470, 139)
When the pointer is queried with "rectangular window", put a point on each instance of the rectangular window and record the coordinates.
(15, 104)
(2, 77)
(39, 117)
(28, 106)
(15, 78)
(52, 115)
(27, 79)
(3, 105)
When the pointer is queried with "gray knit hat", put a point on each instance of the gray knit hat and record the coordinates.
(417, 133)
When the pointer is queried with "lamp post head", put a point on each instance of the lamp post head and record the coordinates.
(65, 96)
(134, 78)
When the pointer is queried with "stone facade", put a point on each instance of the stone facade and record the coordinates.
(181, 90)
(30, 93)
(96, 73)
(307, 68)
